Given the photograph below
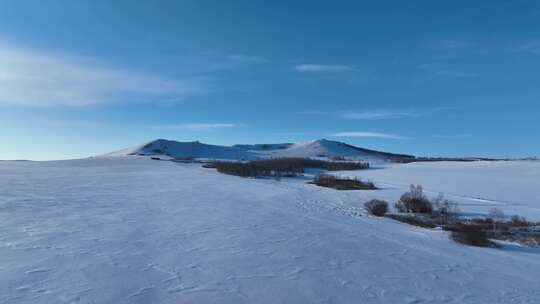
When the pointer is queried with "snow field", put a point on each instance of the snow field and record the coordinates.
(133, 230)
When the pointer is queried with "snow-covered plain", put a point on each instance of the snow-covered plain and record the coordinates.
(134, 230)
(512, 186)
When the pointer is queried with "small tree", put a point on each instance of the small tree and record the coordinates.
(446, 210)
(495, 215)
(376, 207)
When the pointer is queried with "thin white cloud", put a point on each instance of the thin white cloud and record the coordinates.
(452, 136)
(212, 61)
(244, 58)
(379, 114)
(368, 134)
(445, 70)
(455, 74)
(376, 115)
(531, 46)
(197, 126)
(323, 68)
(35, 78)
(452, 44)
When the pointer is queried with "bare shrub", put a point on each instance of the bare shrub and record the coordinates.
(519, 221)
(376, 207)
(470, 234)
(518, 229)
(414, 201)
(495, 215)
(444, 210)
(424, 222)
(338, 183)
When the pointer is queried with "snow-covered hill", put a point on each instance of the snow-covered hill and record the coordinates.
(315, 148)
(328, 148)
(178, 149)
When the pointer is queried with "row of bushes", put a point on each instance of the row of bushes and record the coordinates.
(463, 232)
(340, 183)
(281, 167)
(415, 208)
(415, 201)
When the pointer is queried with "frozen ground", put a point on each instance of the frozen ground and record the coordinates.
(133, 230)
(512, 186)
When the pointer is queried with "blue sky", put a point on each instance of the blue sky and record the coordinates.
(453, 78)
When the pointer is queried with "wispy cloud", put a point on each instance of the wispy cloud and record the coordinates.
(323, 68)
(377, 115)
(452, 136)
(452, 44)
(455, 74)
(368, 134)
(531, 46)
(244, 58)
(214, 61)
(29, 77)
(445, 70)
(196, 126)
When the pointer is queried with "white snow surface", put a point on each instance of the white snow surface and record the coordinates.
(135, 230)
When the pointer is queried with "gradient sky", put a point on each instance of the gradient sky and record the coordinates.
(452, 78)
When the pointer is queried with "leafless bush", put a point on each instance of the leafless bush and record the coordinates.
(424, 222)
(376, 207)
(496, 215)
(444, 210)
(470, 234)
(414, 201)
(519, 221)
(518, 229)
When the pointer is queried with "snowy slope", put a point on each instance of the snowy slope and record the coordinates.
(315, 148)
(263, 147)
(192, 149)
(327, 148)
(133, 230)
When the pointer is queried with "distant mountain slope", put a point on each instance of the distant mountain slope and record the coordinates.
(330, 149)
(315, 148)
(263, 147)
(178, 149)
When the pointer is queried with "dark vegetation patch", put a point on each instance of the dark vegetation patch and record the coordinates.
(406, 160)
(376, 207)
(469, 233)
(416, 209)
(187, 160)
(518, 229)
(414, 201)
(340, 183)
(281, 167)
(413, 220)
